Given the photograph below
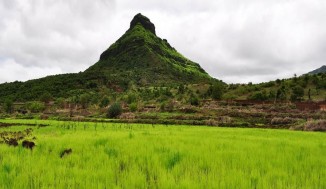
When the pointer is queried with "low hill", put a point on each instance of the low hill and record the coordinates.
(305, 87)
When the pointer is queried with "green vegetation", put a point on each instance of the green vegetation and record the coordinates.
(114, 110)
(305, 87)
(106, 155)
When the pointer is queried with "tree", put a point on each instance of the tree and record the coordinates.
(131, 98)
(46, 97)
(60, 102)
(278, 81)
(85, 100)
(281, 93)
(194, 100)
(104, 102)
(181, 89)
(133, 107)
(259, 96)
(35, 107)
(216, 91)
(8, 106)
(114, 110)
(297, 93)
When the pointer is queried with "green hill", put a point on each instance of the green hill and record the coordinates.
(139, 58)
(305, 87)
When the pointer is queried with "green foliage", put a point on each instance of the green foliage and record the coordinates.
(46, 97)
(60, 102)
(131, 98)
(133, 107)
(35, 107)
(8, 106)
(281, 93)
(114, 110)
(194, 100)
(261, 96)
(216, 91)
(85, 100)
(297, 93)
(105, 101)
(181, 89)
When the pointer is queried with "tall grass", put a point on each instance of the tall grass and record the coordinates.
(141, 156)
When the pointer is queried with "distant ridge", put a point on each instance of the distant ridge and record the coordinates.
(319, 70)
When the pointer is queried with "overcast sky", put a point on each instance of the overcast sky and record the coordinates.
(237, 41)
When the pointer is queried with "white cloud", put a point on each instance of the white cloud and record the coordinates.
(12, 71)
(237, 41)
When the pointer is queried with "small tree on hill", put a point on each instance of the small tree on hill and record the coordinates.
(8, 106)
(281, 93)
(194, 100)
(46, 97)
(104, 102)
(297, 93)
(114, 110)
(216, 91)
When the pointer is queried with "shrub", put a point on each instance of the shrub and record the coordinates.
(35, 107)
(319, 125)
(280, 121)
(194, 100)
(216, 91)
(104, 102)
(259, 96)
(133, 107)
(46, 97)
(114, 110)
(8, 106)
(297, 93)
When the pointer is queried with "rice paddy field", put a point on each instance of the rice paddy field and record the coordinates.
(113, 155)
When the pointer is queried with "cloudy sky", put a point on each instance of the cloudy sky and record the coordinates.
(237, 41)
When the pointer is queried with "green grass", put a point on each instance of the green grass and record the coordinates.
(145, 156)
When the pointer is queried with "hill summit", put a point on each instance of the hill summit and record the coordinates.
(141, 57)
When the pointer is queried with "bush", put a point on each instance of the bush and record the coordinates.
(319, 125)
(133, 107)
(259, 96)
(297, 93)
(114, 110)
(104, 102)
(8, 106)
(194, 101)
(280, 121)
(216, 91)
(46, 97)
(35, 107)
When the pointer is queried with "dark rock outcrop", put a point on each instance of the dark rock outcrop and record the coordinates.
(144, 21)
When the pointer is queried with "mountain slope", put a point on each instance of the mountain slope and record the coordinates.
(142, 57)
(319, 70)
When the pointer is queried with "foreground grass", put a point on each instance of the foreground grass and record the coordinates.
(145, 156)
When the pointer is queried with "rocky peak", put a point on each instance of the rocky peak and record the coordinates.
(144, 21)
